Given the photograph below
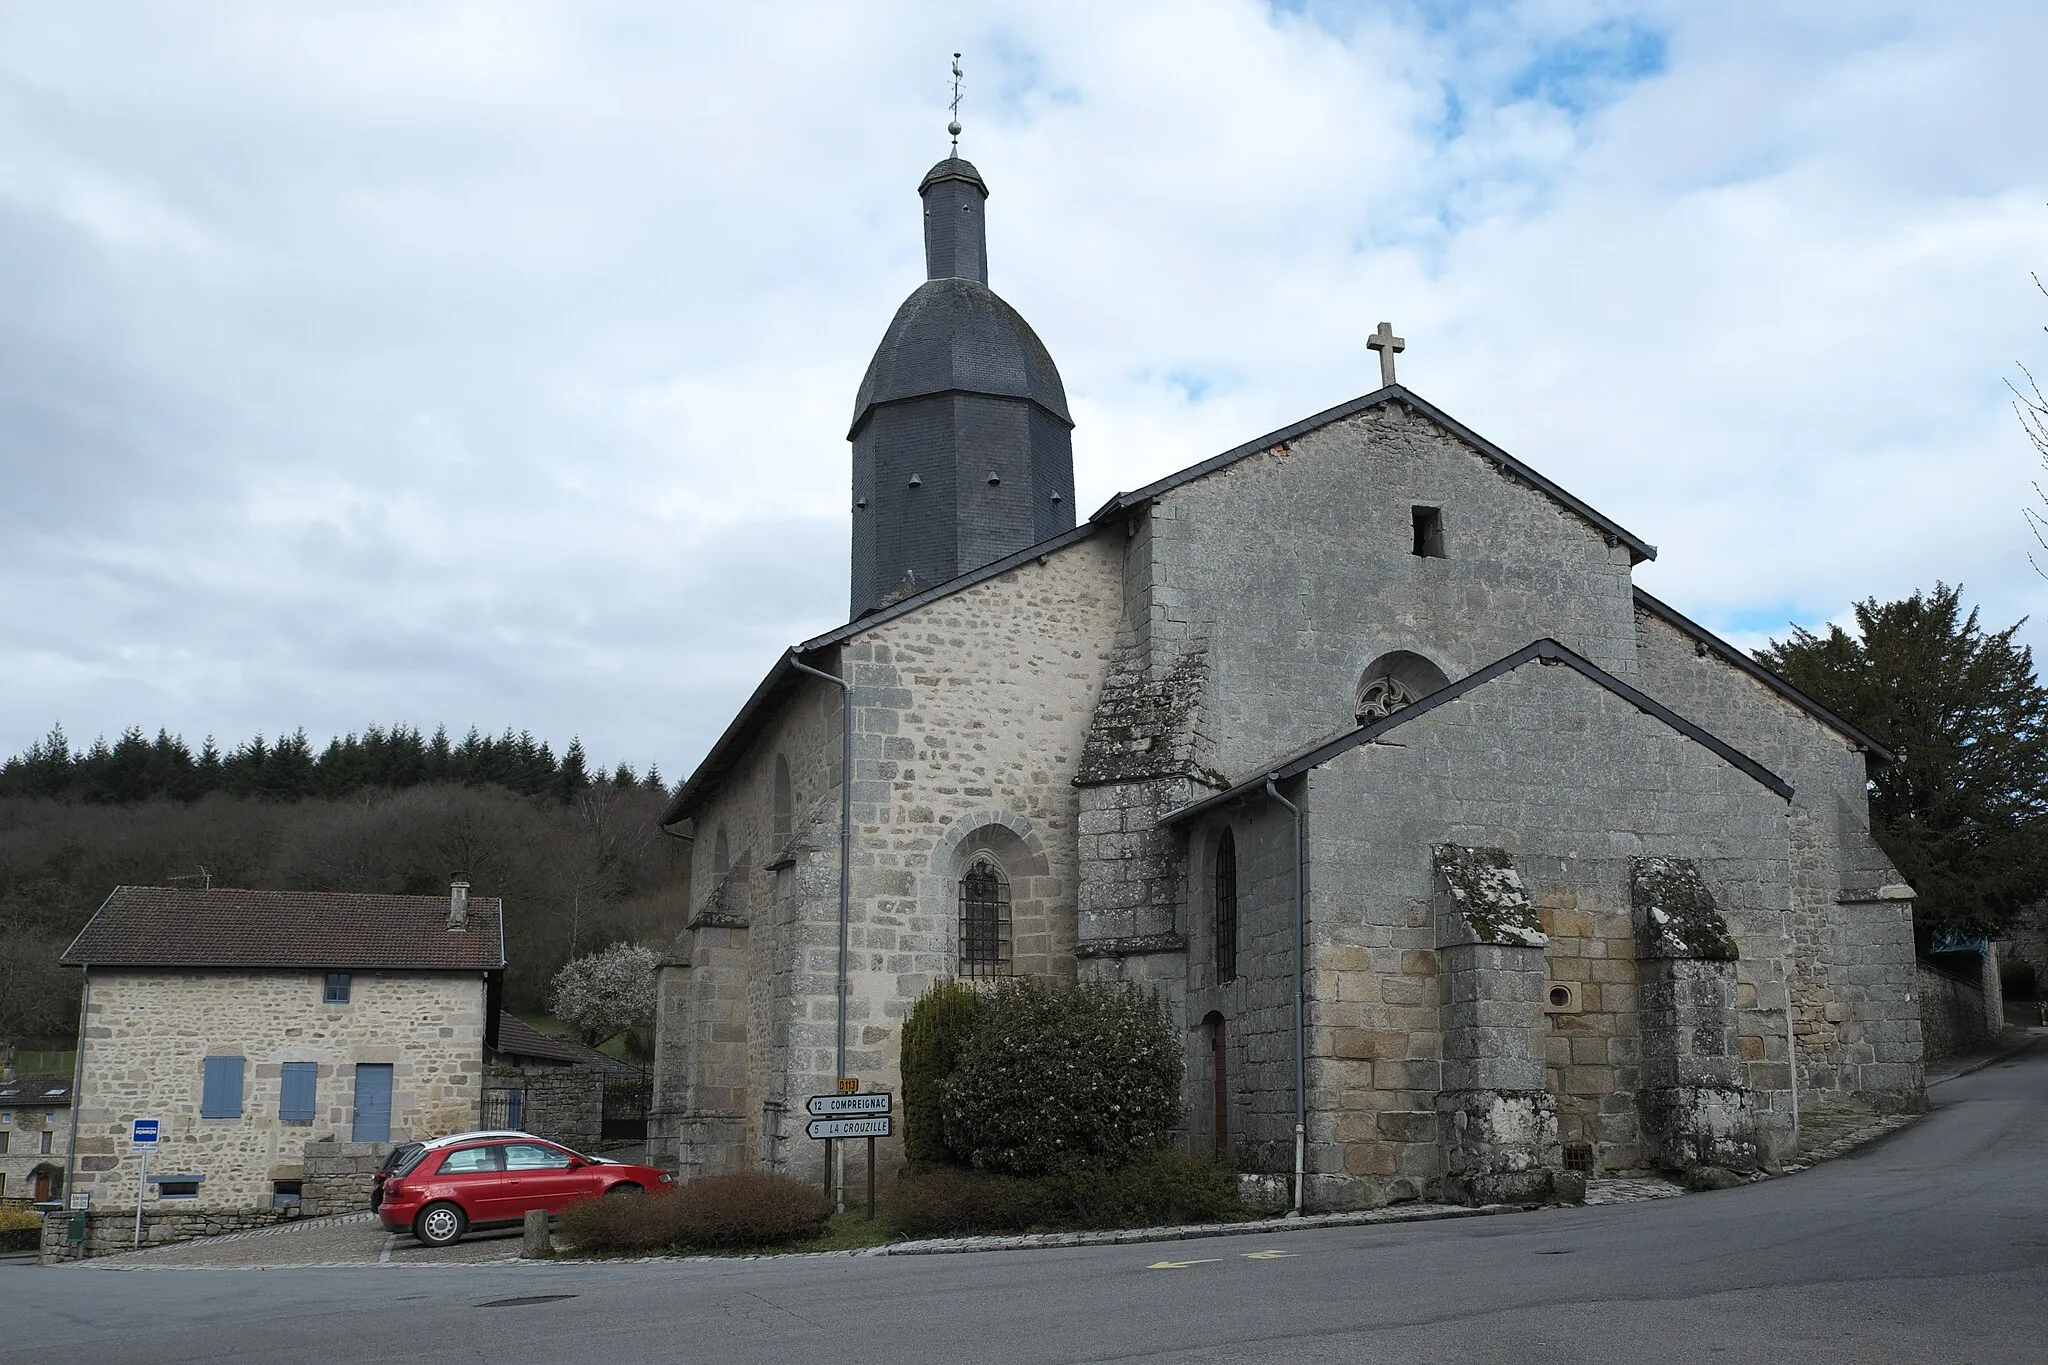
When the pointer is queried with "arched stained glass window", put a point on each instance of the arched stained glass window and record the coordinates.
(1226, 908)
(984, 921)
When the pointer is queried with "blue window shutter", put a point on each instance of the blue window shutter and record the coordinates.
(221, 1096)
(295, 1099)
(373, 1103)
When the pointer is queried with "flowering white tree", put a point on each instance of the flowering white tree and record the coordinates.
(602, 994)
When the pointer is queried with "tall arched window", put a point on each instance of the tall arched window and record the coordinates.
(785, 805)
(1226, 908)
(721, 855)
(984, 920)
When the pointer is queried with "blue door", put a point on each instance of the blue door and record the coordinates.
(373, 1103)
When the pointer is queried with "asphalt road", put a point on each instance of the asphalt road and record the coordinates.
(1928, 1247)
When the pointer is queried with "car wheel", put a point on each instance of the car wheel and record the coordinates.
(625, 1189)
(440, 1225)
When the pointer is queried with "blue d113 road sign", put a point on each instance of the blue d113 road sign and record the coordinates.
(145, 1132)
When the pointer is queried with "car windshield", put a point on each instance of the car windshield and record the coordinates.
(405, 1158)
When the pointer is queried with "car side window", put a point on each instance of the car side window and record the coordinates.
(473, 1159)
(531, 1156)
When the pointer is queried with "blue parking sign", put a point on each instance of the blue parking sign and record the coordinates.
(145, 1132)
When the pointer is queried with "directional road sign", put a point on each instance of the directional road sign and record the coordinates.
(840, 1106)
(849, 1128)
(145, 1132)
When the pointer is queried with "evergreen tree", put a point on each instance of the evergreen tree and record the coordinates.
(573, 778)
(1964, 812)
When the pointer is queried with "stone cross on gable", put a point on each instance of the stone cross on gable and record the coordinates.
(1388, 345)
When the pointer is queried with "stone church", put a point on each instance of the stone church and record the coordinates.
(1467, 867)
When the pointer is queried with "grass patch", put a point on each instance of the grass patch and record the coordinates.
(850, 1231)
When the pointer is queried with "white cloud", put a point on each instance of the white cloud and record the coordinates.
(491, 363)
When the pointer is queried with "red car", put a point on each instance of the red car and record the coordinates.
(441, 1189)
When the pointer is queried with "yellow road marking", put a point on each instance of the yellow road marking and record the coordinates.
(1264, 1255)
(1182, 1265)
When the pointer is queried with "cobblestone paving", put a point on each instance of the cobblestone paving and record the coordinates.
(1630, 1189)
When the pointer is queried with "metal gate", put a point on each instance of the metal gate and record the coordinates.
(626, 1100)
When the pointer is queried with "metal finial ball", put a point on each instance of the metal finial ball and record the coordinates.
(954, 127)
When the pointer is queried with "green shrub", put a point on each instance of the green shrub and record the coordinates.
(933, 1034)
(20, 1229)
(733, 1211)
(1058, 1076)
(1161, 1188)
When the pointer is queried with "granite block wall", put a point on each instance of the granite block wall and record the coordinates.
(147, 1035)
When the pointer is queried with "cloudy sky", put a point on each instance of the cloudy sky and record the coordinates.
(491, 363)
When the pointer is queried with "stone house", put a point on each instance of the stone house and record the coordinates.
(35, 1138)
(252, 1023)
(1466, 866)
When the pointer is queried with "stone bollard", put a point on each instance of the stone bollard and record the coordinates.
(539, 1245)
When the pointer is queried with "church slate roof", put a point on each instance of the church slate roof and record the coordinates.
(957, 336)
(1544, 651)
(158, 926)
(1728, 653)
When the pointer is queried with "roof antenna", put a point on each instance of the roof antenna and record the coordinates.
(954, 126)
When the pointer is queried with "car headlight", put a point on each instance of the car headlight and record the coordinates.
(667, 1179)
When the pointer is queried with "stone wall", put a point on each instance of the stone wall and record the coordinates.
(969, 723)
(1952, 1013)
(1574, 785)
(109, 1230)
(147, 1035)
(1296, 566)
(1851, 922)
(335, 1176)
(564, 1104)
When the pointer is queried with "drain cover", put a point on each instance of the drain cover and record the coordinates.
(524, 1299)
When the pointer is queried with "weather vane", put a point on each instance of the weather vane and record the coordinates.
(954, 126)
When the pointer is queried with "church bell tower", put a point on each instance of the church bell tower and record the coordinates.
(962, 445)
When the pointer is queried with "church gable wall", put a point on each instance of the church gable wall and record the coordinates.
(1575, 786)
(1298, 564)
(1857, 1026)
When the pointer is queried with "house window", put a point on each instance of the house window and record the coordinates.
(1379, 698)
(3, 1142)
(285, 1194)
(3, 1184)
(373, 1103)
(1429, 532)
(221, 1095)
(984, 921)
(1226, 908)
(177, 1187)
(43, 1143)
(295, 1096)
(336, 990)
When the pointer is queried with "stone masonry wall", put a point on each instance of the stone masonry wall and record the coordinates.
(147, 1035)
(969, 722)
(1573, 783)
(336, 1176)
(1951, 1012)
(1857, 1027)
(1296, 564)
(27, 1128)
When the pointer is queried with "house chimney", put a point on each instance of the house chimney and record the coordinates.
(458, 906)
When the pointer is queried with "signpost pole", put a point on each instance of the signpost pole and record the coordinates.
(141, 1180)
(871, 1180)
(828, 1168)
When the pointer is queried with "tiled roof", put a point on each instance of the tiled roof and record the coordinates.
(30, 1091)
(517, 1038)
(155, 926)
